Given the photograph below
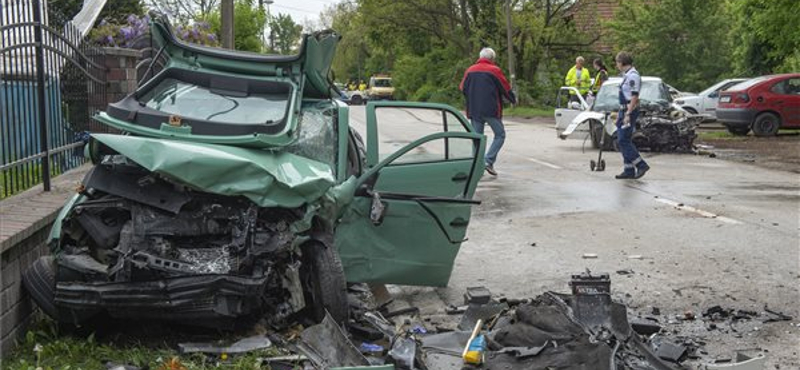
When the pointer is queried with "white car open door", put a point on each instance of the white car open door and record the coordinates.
(567, 110)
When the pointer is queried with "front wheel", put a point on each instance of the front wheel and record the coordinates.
(40, 281)
(324, 283)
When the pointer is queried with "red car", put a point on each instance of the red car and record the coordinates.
(763, 104)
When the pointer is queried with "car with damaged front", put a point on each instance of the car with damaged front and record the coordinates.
(236, 189)
(662, 126)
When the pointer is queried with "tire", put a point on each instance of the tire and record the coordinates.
(40, 281)
(324, 283)
(738, 130)
(766, 124)
(356, 100)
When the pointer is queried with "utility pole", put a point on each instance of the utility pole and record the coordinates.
(227, 24)
(264, 35)
(511, 71)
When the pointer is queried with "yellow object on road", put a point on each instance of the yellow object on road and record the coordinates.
(476, 346)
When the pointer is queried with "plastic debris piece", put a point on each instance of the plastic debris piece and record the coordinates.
(242, 346)
(743, 362)
(370, 348)
(403, 352)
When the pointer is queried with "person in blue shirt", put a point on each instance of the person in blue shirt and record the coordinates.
(634, 166)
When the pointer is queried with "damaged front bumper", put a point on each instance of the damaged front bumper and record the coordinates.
(179, 299)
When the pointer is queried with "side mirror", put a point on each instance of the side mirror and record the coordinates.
(714, 95)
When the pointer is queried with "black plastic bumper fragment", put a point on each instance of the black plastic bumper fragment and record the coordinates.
(181, 298)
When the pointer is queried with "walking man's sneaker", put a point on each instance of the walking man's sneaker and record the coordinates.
(625, 175)
(641, 171)
(490, 170)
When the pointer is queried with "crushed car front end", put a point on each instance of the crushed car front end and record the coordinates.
(662, 125)
(211, 205)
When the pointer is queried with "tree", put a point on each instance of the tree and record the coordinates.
(248, 20)
(682, 41)
(114, 10)
(766, 36)
(185, 11)
(284, 34)
(428, 52)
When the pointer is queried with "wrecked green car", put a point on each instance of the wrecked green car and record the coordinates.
(236, 188)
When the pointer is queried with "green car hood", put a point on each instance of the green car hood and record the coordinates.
(268, 178)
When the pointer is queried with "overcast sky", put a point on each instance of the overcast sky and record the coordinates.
(301, 10)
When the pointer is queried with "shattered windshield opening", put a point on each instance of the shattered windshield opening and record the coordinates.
(189, 100)
(608, 97)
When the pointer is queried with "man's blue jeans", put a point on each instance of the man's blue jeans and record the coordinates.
(630, 155)
(499, 136)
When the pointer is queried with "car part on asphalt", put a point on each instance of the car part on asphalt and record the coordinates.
(645, 327)
(671, 352)
(245, 345)
(481, 312)
(329, 342)
(743, 362)
(477, 295)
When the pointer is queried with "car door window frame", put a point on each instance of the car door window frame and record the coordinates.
(370, 177)
(373, 144)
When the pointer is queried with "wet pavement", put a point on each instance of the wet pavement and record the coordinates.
(694, 233)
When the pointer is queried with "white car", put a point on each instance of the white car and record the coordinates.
(666, 126)
(705, 103)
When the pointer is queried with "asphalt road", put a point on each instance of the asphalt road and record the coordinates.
(696, 232)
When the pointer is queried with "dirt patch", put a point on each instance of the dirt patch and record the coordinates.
(781, 152)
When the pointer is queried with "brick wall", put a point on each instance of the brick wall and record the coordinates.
(17, 307)
(25, 221)
(121, 74)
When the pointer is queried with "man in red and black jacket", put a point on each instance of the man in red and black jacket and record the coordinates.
(484, 86)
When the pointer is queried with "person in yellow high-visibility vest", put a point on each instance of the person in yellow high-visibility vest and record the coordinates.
(578, 77)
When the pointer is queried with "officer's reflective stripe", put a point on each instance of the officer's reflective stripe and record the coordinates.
(629, 165)
(638, 160)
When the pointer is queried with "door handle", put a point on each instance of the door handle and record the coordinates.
(460, 177)
(459, 222)
(558, 114)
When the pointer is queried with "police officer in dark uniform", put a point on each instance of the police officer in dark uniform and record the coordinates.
(635, 166)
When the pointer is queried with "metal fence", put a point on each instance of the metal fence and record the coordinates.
(51, 83)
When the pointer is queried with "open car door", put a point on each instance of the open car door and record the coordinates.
(567, 110)
(413, 204)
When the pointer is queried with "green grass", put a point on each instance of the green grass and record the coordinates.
(15, 178)
(718, 135)
(528, 112)
(60, 352)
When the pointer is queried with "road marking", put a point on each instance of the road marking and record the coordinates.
(543, 163)
(700, 212)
